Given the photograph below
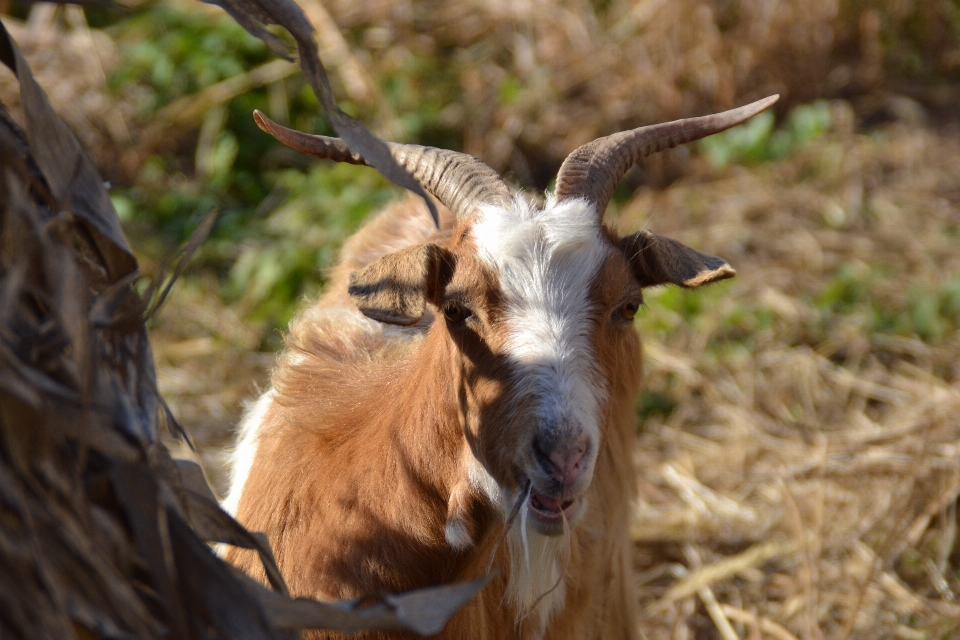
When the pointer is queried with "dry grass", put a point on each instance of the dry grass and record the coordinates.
(71, 62)
(809, 475)
(540, 77)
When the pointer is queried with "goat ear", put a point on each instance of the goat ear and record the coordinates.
(657, 260)
(395, 288)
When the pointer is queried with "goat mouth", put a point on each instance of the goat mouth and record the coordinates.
(549, 512)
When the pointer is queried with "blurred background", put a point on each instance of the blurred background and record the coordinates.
(799, 431)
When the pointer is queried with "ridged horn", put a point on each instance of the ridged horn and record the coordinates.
(458, 180)
(593, 170)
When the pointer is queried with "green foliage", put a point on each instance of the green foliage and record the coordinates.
(176, 53)
(510, 89)
(264, 257)
(856, 296)
(756, 140)
(319, 209)
(419, 89)
(844, 292)
(655, 403)
(680, 301)
(747, 143)
(170, 53)
(667, 309)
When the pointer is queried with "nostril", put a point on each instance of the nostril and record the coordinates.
(563, 463)
(568, 462)
(543, 459)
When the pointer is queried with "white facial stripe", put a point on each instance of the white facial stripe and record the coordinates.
(546, 261)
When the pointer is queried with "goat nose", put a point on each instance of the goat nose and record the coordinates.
(564, 463)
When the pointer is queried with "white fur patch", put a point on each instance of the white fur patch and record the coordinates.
(535, 571)
(546, 261)
(457, 535)
(242, 457)
(484, 484)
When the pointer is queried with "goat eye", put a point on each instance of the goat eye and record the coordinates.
(629, 310)
(453, 312)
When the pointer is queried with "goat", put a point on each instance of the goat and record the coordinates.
(457, 385)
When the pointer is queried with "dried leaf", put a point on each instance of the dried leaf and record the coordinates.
(118, 307)
(424, 611)
(211, 591)
(213, 524)
(189, 248)
(68, 170)
(137, 492)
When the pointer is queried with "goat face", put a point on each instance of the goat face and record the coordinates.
(535, 306)
(532, 384)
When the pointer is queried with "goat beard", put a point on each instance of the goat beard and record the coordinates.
(521, 506)
(563, 559)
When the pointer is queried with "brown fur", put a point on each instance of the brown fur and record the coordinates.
(363, 456)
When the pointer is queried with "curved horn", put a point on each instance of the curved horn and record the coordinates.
(593, 170)
(458, 180)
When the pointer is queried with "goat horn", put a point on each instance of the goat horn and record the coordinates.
(593, 170)
(458, 180)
